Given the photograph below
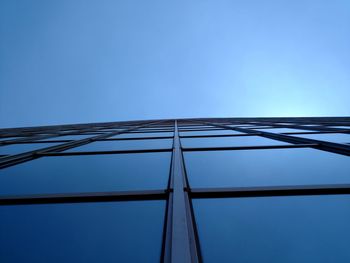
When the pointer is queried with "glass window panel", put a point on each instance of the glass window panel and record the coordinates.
(139, 135)
(124, 145)
(10, 138)
(258, 127)
(214, 132)
(70, 137)
(90, 134)
(286, 123)
(155, 129)
(87, 173)
(274, 229)
(229, 141)
(281, 130)
(330, 137)
(341, 127)
(110, 130)
(273, 167)
(24, 147)
(243, 125)
(86, 232)
(197, 127)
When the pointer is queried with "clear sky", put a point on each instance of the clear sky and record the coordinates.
(76, 61)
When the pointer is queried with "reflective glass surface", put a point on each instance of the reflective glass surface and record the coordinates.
(285, 123)
(257, 127)
(24, 147)
(341, 127)
(298, 229)
(10, 138)
(155, 130)
(196, 127)
(249, 126)
(87, 173)
(229, 141)
(86, 232)
(213, 132)
(310, 125)
(148, 134)
(124, 145)
(70, 137)
(237, 168)
(330, 137)
(280, 130)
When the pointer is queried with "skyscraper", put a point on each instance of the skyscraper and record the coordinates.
(185, 190)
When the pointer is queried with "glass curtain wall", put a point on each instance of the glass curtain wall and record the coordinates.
(186, 190)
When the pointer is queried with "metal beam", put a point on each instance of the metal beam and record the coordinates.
(180, 242)
(271, 191)
(83, 197)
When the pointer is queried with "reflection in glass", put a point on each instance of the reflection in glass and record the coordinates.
(281, 130)
(10, 138)
(341, 127)
(70, 137)
(274, 229)
(114, 145)
(87, 232)
(237, 168)
(139, 135)
(330, 137)
(213, 132)
(87, 173)
(24, 147)
(235, 141)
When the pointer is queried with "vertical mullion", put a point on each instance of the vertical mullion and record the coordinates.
(180, 243)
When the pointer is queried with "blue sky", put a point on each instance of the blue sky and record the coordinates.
(75, 61)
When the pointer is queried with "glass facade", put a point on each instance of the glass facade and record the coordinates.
(88, 232)
(186, 190)
(274, 229)
(23, 147)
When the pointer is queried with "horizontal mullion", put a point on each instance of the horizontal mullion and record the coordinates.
(314, 132)
(195, 149)
(38, 142)
(155, 131)
(138, 138)
(22, 157)
(219, 135)
(321, 145)
(102, 152)
(270, 191)
(202, 130)
(83, 197)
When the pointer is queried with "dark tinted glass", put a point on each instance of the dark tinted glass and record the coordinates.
(24, 147)
(89, 232)
(213, 132)
(330, 137)
(87, 173)
(148, 134)
(266, 167)
(274, 229)
(124, 145)
(229, 141)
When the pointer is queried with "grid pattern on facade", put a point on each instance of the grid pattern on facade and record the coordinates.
(185, 164)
